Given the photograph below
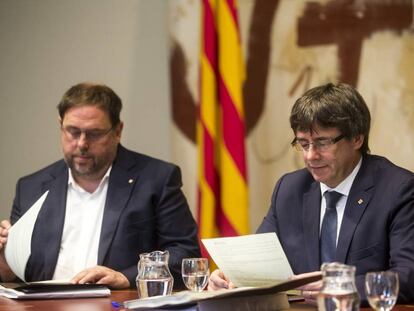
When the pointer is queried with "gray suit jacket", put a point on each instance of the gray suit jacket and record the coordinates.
(145, 210)
(377, 230)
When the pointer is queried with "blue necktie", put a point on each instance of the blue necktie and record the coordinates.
(329, 228)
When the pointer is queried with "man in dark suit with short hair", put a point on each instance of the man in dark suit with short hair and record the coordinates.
(371, 223)
(105, 204)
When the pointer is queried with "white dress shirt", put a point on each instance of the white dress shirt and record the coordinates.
(82, 228)
(343, 188)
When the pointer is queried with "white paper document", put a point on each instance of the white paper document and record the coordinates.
(18, 246)
(250, 260)
(42, 290)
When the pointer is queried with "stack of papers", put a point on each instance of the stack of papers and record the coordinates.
(43, 290)
(187, 297)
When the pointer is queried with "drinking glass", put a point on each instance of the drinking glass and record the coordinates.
(382, 289)
(195, 273)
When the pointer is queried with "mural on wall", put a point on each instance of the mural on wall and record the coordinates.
(291, 46)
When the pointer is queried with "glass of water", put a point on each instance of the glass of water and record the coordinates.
(195, 273)
(382, 289)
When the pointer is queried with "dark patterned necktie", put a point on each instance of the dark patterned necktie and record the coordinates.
(329, 227)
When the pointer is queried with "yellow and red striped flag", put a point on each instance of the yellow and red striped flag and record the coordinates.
(222, 186)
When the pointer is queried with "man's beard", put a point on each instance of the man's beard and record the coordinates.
(93, 167)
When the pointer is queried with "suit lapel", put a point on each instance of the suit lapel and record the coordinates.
(47, 232)
(311, 214)
(358, 199)
(121, 183)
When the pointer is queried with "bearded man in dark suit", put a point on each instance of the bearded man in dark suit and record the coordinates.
(105, 204)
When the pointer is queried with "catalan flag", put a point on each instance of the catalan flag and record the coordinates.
(222, 186)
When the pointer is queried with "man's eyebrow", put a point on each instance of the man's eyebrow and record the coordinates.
(317, 138)
(322, 138)
(82, 129)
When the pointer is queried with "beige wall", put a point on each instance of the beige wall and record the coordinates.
(385, 79)
(49, 45)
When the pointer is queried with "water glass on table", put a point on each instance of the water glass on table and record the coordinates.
(382, 289)
(195, 273)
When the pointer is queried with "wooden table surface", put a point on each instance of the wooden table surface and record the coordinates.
(105, 304)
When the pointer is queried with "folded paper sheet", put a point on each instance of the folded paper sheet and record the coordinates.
(250, 260)
(18, 247)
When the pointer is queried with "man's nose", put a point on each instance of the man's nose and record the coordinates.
(83, 141)
(312, 153)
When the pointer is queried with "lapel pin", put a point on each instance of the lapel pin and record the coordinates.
(130, 181)
(360, 201)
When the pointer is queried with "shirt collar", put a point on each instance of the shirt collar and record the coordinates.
(72, 183)
(345, 186)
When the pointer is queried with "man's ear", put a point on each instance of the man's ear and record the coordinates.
(358, 141)
(118, 129)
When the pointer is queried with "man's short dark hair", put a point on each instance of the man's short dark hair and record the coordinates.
(332, 106)
(90, 94)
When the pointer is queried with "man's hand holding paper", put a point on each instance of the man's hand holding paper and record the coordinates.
(218, 280)
(250, 260)
(309, 291)
(5, 272)
(4, 232)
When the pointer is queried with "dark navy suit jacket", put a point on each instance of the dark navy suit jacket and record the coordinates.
(377, 230)
(145, 210)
